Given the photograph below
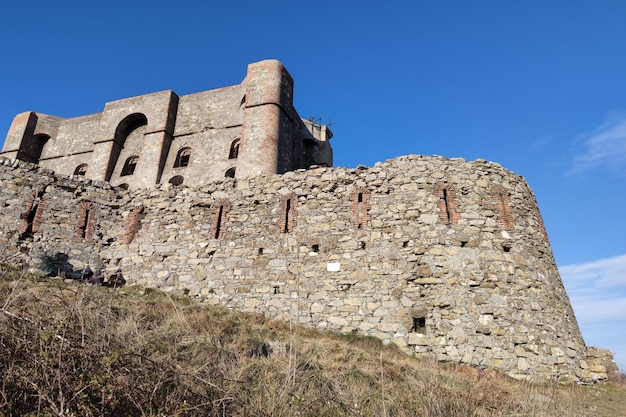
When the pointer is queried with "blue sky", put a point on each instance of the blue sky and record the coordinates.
(537, 86)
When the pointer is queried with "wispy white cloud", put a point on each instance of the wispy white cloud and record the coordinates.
(605, 273)
(597, 291)
(603, 147)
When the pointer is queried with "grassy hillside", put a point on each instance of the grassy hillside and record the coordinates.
(76, 350)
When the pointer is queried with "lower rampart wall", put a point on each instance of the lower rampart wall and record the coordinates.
(442, 257)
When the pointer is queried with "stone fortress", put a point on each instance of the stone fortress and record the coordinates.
(444, 258)
(155, 138)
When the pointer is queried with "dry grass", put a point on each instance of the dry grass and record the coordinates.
(607, 400)
(74, 350)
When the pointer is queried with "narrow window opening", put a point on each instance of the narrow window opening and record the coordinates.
(287, 212)
(30, 220)
(218, 223)
(446, 204)
(359, 200)
(134, 224)
(503, 198)
(506, 248)
(221, 209)
(230, 173)
(315, 248)
(85, 222)
(32, 216)
(418, 325)
(260, 252)
(360, 207)
(405, 244)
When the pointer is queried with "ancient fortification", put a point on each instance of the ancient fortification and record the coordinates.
(442, 257)
(148, 140)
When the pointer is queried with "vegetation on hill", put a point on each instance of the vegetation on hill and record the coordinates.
(68, 349)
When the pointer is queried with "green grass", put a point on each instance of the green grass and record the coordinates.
(75, 350)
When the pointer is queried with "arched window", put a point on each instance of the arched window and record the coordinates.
(182, 157)
(177, 180)
(130, 133)
(129, 166)
(31, 150)
(234, 149)
(230, 173)
(81, 170)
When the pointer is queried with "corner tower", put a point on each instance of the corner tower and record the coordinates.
(267, 145)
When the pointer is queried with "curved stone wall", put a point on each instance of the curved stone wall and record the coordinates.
(443, 257)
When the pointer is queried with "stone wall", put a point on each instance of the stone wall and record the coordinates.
(442, 257)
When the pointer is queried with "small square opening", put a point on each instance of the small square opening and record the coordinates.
(418, 325)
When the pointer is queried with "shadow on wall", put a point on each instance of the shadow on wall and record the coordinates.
(58, 265)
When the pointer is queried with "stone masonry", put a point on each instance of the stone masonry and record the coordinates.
(143, 141)
(444, 258)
